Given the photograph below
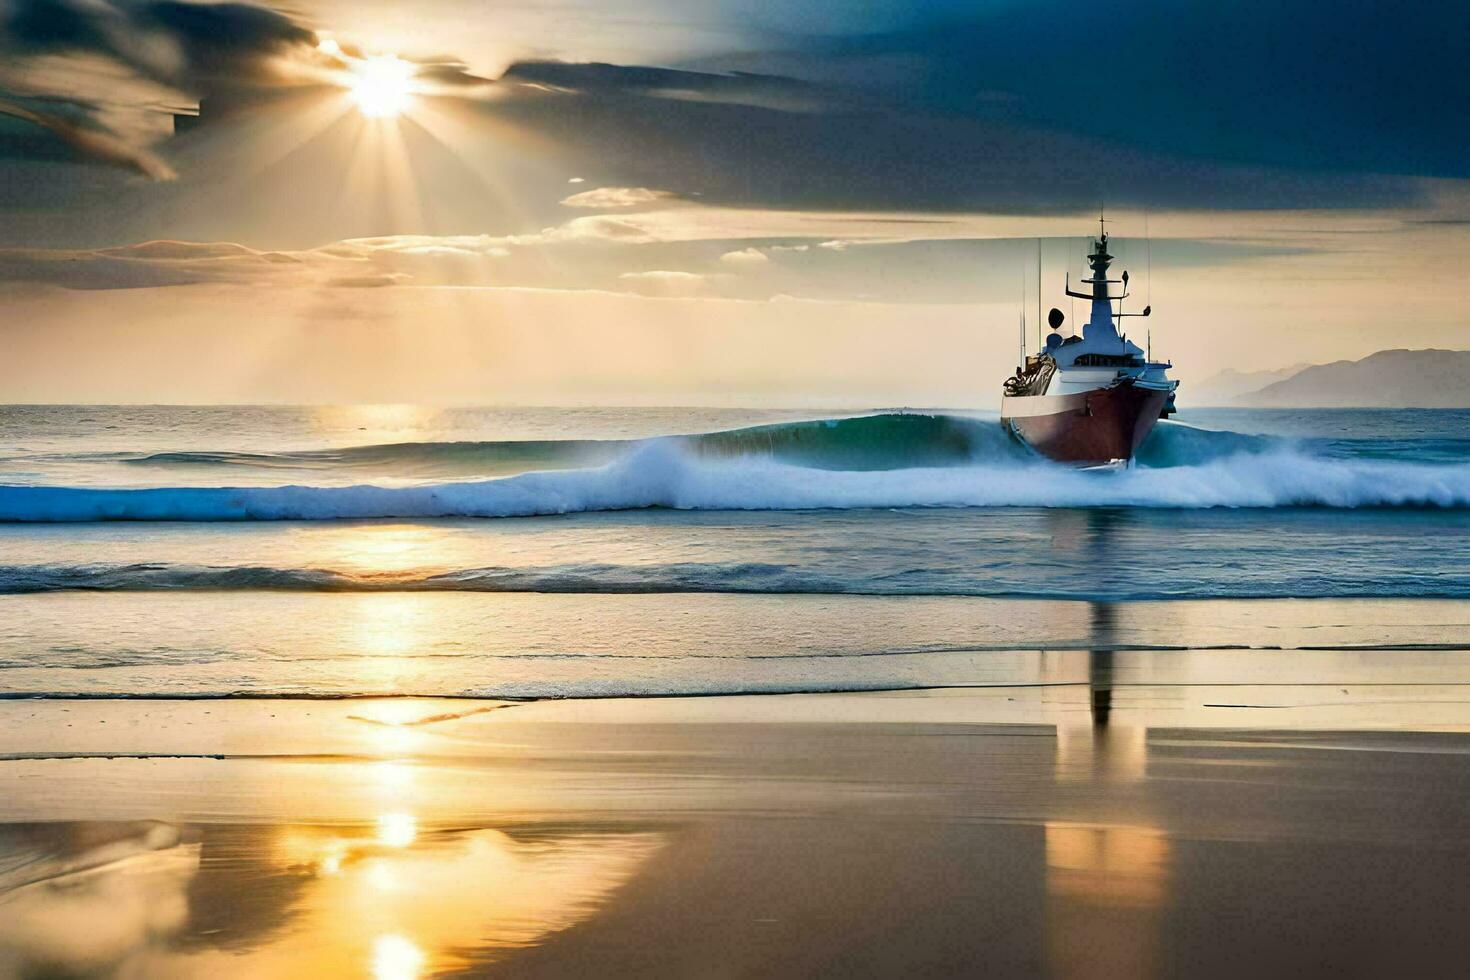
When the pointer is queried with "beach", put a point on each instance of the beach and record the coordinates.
(1004, 831)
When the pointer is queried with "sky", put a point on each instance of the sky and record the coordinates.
(710, 201)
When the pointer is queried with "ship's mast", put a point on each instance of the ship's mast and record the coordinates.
(1100, 325)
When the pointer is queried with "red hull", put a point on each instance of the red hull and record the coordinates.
(1092, 428)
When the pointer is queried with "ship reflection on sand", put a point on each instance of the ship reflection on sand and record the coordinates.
(1106, 883)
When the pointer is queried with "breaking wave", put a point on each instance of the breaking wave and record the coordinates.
(880, 461)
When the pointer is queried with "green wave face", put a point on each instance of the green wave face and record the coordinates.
(870, 442)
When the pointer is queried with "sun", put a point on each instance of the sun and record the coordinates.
(381, 85)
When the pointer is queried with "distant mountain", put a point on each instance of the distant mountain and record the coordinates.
(1228, 385)
(1387, 379)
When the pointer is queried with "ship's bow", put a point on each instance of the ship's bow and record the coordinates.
(1091, 428)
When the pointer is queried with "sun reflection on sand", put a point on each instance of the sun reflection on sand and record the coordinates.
(417, 900)
(396, 958)
(392, 900)
(397, 829)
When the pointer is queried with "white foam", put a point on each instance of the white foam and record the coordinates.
(661, 474)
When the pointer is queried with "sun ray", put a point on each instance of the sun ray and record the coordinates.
(264, 139)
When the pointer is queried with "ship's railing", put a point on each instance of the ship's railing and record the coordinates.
(1034, 380)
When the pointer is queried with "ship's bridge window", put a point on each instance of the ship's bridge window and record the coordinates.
(1105, 360)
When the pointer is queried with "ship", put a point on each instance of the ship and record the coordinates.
(1089, 400)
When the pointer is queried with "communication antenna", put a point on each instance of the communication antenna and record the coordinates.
(1072, 308)
(1040, 340)
(1023, 318)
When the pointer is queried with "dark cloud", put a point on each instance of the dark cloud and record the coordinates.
(604, 80)
(93, 143)
(123, 55)
(446, 75)
(875, 153)
(1353, 85)
(195, 47)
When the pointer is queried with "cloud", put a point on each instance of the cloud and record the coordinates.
(598, 228)
(694, 223)
(94, 143)
(698, 250)
(1298, 84)
(663, 282)
(123, 64)
(353, 263)
(147, 265)
(369, 281)
(461, 245)
(938, 244)
(195, 47)
(170, 251)
(617, 197)
(176, 263)
(603, 80)
(746, 258)
(897, 151)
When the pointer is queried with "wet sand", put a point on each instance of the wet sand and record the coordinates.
(1075, 831)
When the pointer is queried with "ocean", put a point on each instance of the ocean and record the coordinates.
(325, 552)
